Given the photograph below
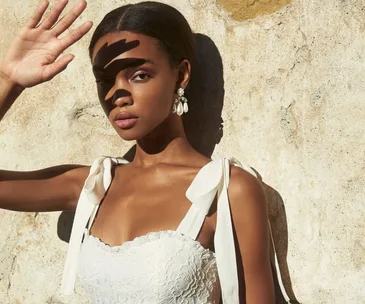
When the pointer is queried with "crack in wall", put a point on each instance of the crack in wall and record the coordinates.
(9, 277)
(289, 124)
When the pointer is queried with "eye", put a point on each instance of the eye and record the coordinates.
(102, 82)
(141, 76)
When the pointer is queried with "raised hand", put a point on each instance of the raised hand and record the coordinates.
(32, 55)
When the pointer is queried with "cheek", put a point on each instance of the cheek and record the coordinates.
(155, 106)
(159, 94)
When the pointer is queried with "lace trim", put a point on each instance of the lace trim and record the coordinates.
(146, 238)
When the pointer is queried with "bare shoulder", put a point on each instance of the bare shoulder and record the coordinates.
(250, 222)
(72, 179)
(244, 188)
(78, 175)
(247, 200)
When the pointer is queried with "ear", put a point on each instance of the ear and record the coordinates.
(184, 71)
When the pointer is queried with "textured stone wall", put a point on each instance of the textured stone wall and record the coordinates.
(293, 76)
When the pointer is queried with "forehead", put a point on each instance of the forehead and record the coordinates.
(147, 46)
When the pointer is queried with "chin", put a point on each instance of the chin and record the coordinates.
(129, 134)
(136, 132)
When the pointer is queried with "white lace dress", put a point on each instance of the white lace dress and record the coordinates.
(162, 267)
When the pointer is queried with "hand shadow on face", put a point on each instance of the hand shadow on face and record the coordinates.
(203, 126)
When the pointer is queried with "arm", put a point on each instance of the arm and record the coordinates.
(9, 92)
(31, 59)
(250, 221)
(51, 189)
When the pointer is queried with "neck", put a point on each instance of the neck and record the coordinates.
(165, 144)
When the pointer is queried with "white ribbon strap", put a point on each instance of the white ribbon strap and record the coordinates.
(224, 242)
(201, 193)
(96, 184)
(211, 179)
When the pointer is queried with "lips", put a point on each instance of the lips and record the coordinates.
(125, 120)
(124, 115)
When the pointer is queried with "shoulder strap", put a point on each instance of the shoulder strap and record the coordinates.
(201, 193)
(213, 179)
(224, 242)
(274, 258)
(96, 184)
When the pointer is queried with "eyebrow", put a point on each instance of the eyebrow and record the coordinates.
(122, 64)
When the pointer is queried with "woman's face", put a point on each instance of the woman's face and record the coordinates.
(135, 81)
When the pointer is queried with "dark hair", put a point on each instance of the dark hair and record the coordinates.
(153, 19)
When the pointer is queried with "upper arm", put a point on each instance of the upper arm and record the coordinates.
(51, 189)
(250, 222)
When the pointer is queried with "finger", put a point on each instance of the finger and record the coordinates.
(75, 35)
(57, 67)
(52, 17)
(67, 20)
(37, 16)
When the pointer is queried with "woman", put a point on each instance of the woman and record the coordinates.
(152, 223)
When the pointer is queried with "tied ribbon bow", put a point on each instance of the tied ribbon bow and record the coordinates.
(213, 180)
(96, 184)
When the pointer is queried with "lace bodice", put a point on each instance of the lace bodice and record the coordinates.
(159, 267)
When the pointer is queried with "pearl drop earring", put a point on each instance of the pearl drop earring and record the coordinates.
(180, 105)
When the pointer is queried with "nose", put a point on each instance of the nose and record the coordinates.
(121, 98)
(123, 101)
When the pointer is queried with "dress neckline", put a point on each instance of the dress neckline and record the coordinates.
(147, 238)
(144, 238)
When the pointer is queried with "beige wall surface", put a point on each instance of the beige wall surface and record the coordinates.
(294, 108)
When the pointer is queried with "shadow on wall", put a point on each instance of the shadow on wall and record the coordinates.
(204, 128)
(203, 123)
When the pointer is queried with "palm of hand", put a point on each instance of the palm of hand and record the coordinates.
(31, 54)
(31, 58)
